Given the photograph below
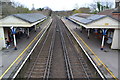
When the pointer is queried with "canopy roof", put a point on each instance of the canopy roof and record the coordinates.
(88, 19)
(22, 20)
(94, 21)
(32, 17)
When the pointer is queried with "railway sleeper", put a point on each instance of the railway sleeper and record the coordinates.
(39, 66)
(36, 76)
(40, 63)
(39, 70)
(42, 58)
(33, 74)
(79, 76)
(78, 70)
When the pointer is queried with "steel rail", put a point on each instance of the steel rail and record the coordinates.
(67, 61)
(88, 56)
(79, 57)
(48, 65)
(38, 55)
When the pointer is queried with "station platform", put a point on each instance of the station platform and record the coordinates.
(10, 58)
(106, 60)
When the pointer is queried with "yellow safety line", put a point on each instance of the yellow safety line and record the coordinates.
(21, 54)
(96, 56)
(96, 61)
(19, 60)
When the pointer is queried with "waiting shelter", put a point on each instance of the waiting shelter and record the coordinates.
(13, 25)
(108, 26)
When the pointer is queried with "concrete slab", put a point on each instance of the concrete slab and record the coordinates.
(108, 56)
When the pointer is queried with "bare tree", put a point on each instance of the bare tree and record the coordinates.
(7, 9)
(76, 6)
(100, 6)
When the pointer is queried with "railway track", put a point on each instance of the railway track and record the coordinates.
(58, 67)
(77, 64)
(59, 56)
(38, 68)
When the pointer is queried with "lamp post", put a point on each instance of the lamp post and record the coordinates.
(28, 34)
(35, 28)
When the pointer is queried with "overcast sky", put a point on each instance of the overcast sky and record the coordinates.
(58, 5)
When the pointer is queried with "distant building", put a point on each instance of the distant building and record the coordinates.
(116, 12)
(117, 3)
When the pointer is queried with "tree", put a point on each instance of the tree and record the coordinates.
(82, 10)
(8, 9)
(22, 9)
(100, 6)
(76, 7)
(40, 9)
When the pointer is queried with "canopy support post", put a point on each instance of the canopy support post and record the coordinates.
(103, 39)
(14, 37)
(88, 33)
(81, 29)
(15, 44)
(28, 32)
(35, 28)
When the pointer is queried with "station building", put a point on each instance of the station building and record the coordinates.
(103, 25)
(11, 27)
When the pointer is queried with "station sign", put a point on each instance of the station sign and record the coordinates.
(106, 24)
